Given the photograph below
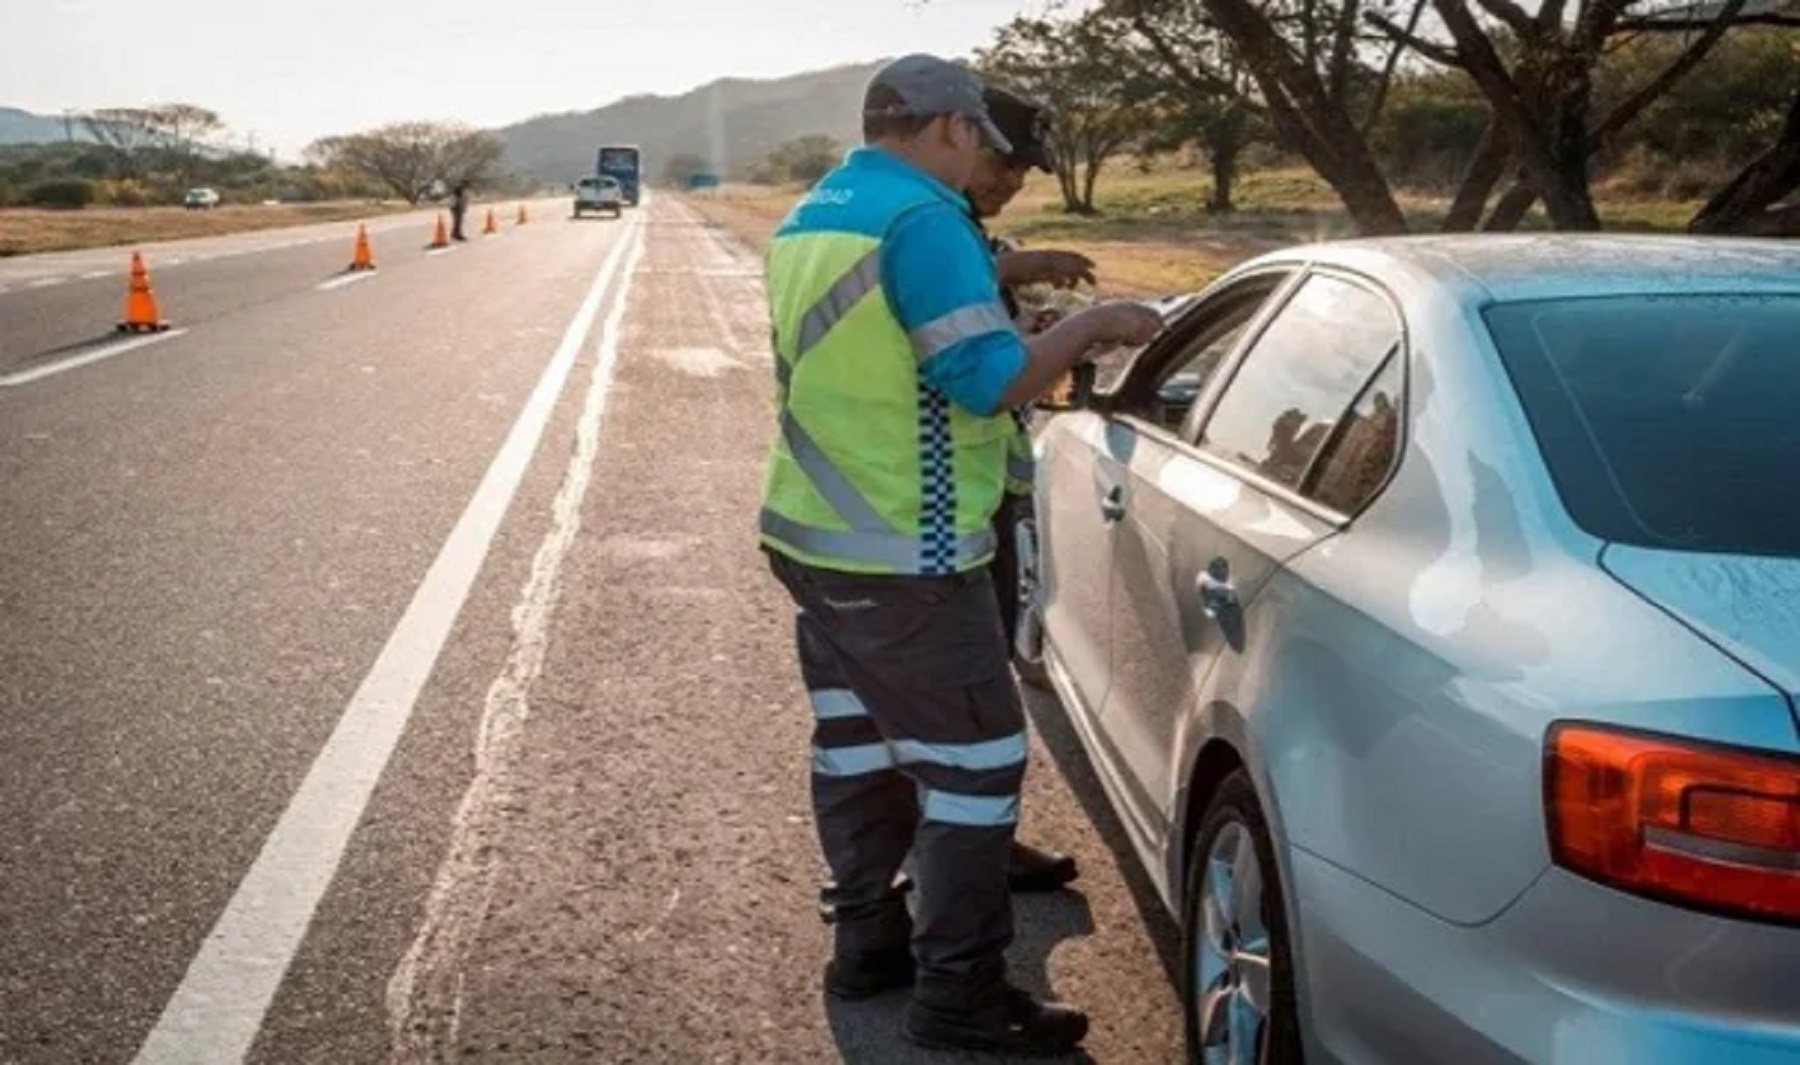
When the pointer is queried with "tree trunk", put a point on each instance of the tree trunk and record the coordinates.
(1486, 168)
(1223, 158)
(1065, 181)
(1094, 163)
(1309, 120)
(1512, 208)
(1742, 205)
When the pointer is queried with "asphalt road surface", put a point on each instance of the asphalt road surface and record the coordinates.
(388, 671)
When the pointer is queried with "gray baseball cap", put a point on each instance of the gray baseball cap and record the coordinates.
(929, 86)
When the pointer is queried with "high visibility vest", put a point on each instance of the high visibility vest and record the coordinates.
(873, 471)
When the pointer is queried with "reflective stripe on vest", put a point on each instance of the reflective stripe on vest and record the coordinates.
(942, 334)
(896, 551)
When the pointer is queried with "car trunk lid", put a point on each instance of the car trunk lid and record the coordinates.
(1747, 605)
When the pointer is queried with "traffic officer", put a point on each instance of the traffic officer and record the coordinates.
(998, 178)
(897, 369)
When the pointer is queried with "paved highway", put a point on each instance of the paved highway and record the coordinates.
(388, 673)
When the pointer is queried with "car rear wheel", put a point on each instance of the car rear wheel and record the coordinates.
(1238, 970)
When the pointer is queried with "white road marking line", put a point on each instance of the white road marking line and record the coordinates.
(347, 279)
(94, 274)
(215, 1014)
(440, 251)
(46, 282)
(427, 978)
(107, 352)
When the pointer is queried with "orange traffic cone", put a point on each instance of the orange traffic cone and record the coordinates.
(523, 217)
(140, 302)
(361, 259)
(489, 228)
(439, 238)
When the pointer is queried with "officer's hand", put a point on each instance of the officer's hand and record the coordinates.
(1063, 269)
(1121, 324)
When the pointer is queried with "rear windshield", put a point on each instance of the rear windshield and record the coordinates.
(1667, 422)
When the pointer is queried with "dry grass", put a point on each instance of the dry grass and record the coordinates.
(24, 231)
(1153, 236)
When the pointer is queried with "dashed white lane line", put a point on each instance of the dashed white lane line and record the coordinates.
(92, 275)
(215, 1014)
(46, 282)
(347, 279)
(98, 354)
(440, 251)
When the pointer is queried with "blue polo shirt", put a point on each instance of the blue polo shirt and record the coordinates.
(936, 272)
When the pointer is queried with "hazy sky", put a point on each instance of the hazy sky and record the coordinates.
(289, 72)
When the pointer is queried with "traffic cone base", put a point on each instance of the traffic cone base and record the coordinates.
(141, 315)
(361, 258)
(439, 238)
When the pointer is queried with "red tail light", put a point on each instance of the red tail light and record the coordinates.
(1716, 828)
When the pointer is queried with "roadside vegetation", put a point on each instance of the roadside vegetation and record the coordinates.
(1337, 117)
(121, 175)
(1150, 230)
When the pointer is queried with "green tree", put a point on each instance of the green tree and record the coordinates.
(803, 160)
(410, 159)
(1323, 80)
(1100, 104)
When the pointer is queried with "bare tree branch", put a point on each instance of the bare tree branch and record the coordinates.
(1674, 72)
(1516, 18)
(1655, 24)
(1343, 50)
(1405, 37)
(1392, 64)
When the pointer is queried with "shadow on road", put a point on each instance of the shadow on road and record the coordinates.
(1052, 723)
(869, 1032)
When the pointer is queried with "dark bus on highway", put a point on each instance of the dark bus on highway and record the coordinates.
(621, 162)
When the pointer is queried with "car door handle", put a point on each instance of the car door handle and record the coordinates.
(1217, 594)
(1112, 504)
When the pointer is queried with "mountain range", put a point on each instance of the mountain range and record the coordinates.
(23, 127)
(731, 123)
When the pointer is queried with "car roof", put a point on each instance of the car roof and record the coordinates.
(1512, 267)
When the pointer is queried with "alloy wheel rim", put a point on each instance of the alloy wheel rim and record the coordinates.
(1233, 957)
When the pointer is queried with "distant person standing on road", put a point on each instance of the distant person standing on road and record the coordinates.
(897, 367)
(459, 206)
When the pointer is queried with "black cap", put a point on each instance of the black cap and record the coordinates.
(1025, 124)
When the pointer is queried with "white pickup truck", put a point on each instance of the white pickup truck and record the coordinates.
(599, 194)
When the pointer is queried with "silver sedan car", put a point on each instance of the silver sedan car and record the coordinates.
(1430, 609)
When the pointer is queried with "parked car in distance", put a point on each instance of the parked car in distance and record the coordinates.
(201, 199)
(599, 194)
(1430, 610)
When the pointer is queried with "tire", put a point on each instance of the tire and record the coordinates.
(1232, 833)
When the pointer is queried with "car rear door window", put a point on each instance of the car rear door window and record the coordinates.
(1307, 369)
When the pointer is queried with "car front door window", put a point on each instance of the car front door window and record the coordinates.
(1305, 371)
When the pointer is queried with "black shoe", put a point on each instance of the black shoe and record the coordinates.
(1007, 1021)
(1032, 870)
(866, 974)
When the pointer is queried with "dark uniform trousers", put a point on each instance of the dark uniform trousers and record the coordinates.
(1005, 567)
(918, 746)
